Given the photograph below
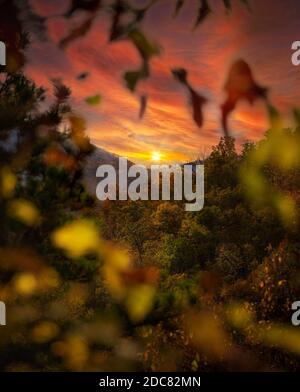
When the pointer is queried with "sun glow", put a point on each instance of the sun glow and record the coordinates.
(156, 156)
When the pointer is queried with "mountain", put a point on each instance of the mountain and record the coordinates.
(194, 164)
(98, 157)
(103, 157)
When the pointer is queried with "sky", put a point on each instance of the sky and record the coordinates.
(262, 36)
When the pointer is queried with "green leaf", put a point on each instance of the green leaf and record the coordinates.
(133, 77)
(145, 47)
(94, 100)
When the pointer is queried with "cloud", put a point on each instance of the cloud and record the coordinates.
(262, 37)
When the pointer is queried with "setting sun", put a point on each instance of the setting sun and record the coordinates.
(156, 156)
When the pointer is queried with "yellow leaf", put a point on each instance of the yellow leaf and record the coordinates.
(77, 353)
(239, 316)
(139, 301)
(77, 238)
(7, 182)
(116, 261)
(287, 209)
(44, 331)
(24, 211)
(25, 284)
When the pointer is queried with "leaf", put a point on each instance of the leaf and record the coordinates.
(240, 85)
(77, 32)
(197, 100)
(180, 74)
(179, 4)
(94, 100)
(54, 156)
(227, 4)
(143, 105)
(146, 51)
(83, 76)
(133, 77)
(117, 30)
(77, 238)
(142, 275)
(197, 103)
(83, 5)
(143, 45)
(20, 259)
(78, 126)
(203, 11)
(116, 262)
(44, 331)
(8, 182)
(24, 211)
(139, 301)
(25, 284)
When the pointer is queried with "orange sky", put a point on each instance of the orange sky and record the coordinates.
(262, 37)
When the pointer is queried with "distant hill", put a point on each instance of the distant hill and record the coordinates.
(194, 164)
(97, 158)
(103, 157)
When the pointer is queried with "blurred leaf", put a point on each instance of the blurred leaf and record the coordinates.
(203, 11)
(94, 100)
(75, 352)
(24, 211)
(207, 334)
(197, 100)
(8, 182)
(77, 32)
(240, 316)
(117, 262)
(48, 279)
(139, 301)
(240, 85)
(287, 209)
(117, 30)
(280, 336)
(83, 5)
(143, 105)
(78, 126)
(143, 45)
(20, 259)
(77, 238)
(133, 77)
(146, 275)
(179, 4)
(44, 332)
(275, 118)
(54, 156)
(83, 76)
(25, 284)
